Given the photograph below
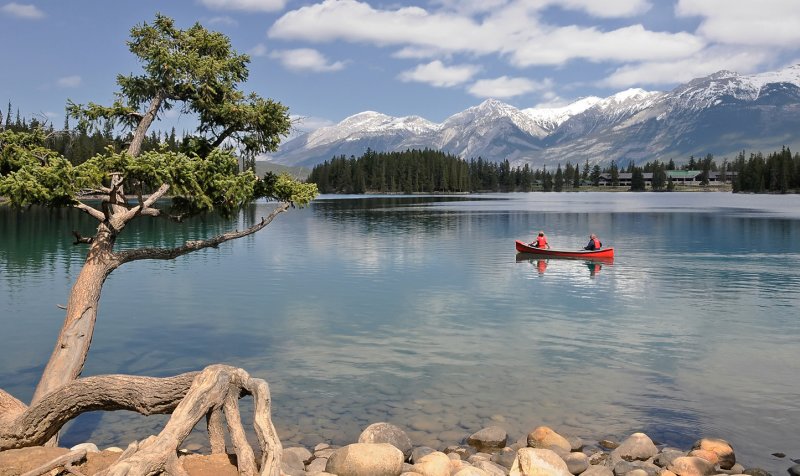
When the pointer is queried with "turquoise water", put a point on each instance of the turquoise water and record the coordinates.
(418, 311)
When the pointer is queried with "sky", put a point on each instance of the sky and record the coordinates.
(329, 59)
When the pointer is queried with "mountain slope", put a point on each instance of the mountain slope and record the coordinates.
(721, 114)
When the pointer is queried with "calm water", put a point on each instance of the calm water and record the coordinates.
(417, 311)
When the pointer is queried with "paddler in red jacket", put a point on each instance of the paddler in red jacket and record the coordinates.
(541, 241)
(594, 243)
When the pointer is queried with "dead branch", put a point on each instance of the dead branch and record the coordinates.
(93, 212)
(190, 246)
(189, 397)
(65, 460)
(42, 420)
(81, 239)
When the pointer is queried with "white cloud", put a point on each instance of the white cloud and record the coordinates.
(69, 81)
(505, 87)
(631, 43)
(19, 10)
(223, 20)
(437, 74)
(763, 23)
(512, 31)
(355, 21)
(306, 59)
(258, 50)
(245, 5)
(671, 72)
(606, 8)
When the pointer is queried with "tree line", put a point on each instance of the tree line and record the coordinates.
(778, 172)
(429, 171)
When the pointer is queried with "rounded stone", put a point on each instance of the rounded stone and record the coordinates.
(691, 466)
(89, 447)
(544, 437)
(597, 470)
(383, 432)
(434, 464)
(723, 449)
(366, 459)
(492, 437)
(538, 462)
(577, 462)
(505, 457)
(638, 446)
(794, 470)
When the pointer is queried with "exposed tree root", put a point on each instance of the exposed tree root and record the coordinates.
(213, 394)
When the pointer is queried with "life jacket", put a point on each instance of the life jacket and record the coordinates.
(541, 241)
(597, 244)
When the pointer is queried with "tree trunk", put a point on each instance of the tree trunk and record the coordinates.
(67, 360)
(141, 129)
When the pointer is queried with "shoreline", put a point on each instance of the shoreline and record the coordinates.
(385, 449)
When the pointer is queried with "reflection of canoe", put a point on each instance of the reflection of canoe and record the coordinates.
(603, 254)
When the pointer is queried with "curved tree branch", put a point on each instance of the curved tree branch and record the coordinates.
(42, 420)
(93, 212)
(190, 246)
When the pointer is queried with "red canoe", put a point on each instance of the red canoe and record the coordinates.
(605, 253)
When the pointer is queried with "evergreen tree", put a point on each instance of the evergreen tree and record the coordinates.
(558, 181)
(637, 180)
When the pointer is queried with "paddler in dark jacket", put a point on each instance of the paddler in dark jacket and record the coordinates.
(594, 243)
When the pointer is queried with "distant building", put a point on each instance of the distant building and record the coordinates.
(679, 177)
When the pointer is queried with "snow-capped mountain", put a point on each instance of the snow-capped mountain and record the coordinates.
(720, 114)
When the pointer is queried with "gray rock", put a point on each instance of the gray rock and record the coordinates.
(464, 451)
(383, 432)
(756, 472)
(577, 462)
(599, 459)
(505, 457)
(291, 459)
(636, 472)
(624, 467)
(317, 466)
(302, 453)
(638, 446)
(420, 451)
(492, 469)
(290, 471)
(666, 457)
(471, 471)
(608, 444)
(575, 442)
(597, 470)
(489, 438)
(366, 459)
(794, 470)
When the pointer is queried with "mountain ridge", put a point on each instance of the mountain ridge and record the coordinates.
(721, 113)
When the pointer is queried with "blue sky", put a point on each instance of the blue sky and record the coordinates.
(327, 60)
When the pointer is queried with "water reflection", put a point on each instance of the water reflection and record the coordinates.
(594, 265)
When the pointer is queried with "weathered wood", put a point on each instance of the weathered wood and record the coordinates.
(42, 420)
(66, 460)
(190, 397)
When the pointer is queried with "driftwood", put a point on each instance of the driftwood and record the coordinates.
(212, 394)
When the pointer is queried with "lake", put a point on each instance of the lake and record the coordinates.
(417, 310)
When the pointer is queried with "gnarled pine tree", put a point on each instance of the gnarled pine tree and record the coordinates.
(198, 71)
